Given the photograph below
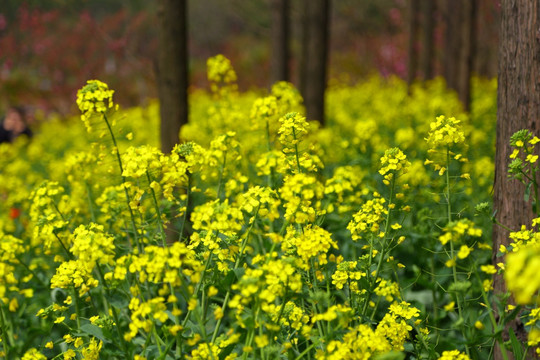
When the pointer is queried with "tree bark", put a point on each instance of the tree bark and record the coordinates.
(518, 101)
(172, 73)
(172, 79)
(280, 54)
(452, 44)
(428, 15)
(468, 46)
(316, 53)
(412, 51)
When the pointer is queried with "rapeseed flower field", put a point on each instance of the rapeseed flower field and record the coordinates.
(264, 236)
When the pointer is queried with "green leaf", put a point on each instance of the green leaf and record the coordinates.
(118, 299)
(392, 355)
(459, 286)
(93, 330)
(517, 349)
(512, 315)
(527, 193)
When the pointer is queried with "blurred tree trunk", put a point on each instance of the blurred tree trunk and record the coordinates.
(452, 43)
(303, 56)
(316, 55)
(468, 49)
(518, 102)
(280, 53)
(172, 79)
(428, 14)
(412, 51)
(172, 74)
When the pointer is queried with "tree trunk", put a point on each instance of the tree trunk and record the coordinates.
(412, 51)
(518, 101)
(452, 44)
(280, 54)
(172, 74)
(468, 46)
(172, 79)
(303, 56)
(428, 10)
(316, 53)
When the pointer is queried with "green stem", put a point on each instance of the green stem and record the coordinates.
(221, 174)
(70, 256)
(383, 247)
(114, 312)
(90, 205)
(184, 220)
(157, 339)
(491, 316)
(269, 147)
(296, 151)
(158, 211)
(128, 199)
(5, 334)
(197, 288)
(77, 308)
(452, 251)
(236, 264)
(434, 295)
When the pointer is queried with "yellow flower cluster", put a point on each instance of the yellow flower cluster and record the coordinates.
(271, 280)
(74, 273)
(217, 216)
(301, 195)
(453, 355)
(346, 272)
(92, 245)
(311, 244)
(521, 273)
(166, 264)
(292, 316)
(48, 204)
(360, 342)
(293, 128)
(387, 289)
(94, 98)
(33, 354)
(262, 201)
(368, 218)
(524, 156)
(345, 186)
(220, 70)
(393, 163)
(143, 315)
(445, 132)
(458, 230)
(139, 160)
(263, 109)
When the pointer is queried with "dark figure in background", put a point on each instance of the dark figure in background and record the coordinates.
(14, 125)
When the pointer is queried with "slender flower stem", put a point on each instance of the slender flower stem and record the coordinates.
(128, 199)
(492, 317)
(452, 250)
(184, 220)
(158, 211)
(90, 205)
(113, 310)
(5, 338)
(383, 247)
(197, 288)
(296, 151)
(221, 174)
(236, 265)
(69, 255)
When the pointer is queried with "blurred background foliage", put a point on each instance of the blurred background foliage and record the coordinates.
(49, 48)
